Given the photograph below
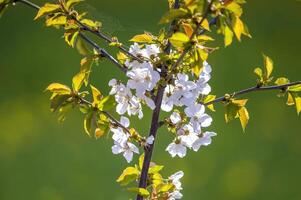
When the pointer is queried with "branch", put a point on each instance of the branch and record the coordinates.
(155, 117)
(101, 51)
(106, 113)
(253, 89)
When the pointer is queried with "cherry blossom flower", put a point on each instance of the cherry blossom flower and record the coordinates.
(205, 140)
(177, 148)
(175, 118)
(128, 149)
(198, 117)
(175, 179)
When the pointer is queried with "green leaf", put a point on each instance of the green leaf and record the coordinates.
(78, 81)
(57, 101)
(128, 175)
(107, 103)
(173, 14)
(179, 39)
(141, 191)
(231, 112)
(143, 38)
(47, 9)
(294, 88)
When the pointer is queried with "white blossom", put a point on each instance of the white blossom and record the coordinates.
(128, 149)
(176, 148)
(198, 117)
(187, 135)
(205, 140)
(175, 179)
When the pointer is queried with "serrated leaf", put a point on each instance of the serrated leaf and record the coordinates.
(47, 9)
(77, 81)
(243, 117)
(141, 191)
(142, 38)
(128, 175)
(179, 39)
(58, 88)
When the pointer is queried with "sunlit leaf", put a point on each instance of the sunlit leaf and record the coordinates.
(228, 36)
(243, 117)
(58, 88)
(88, 123)
(144, 38)
(268, 64)
(97, 96)
(46, 9)
(188, 29)
(173, 14)
(210, 98)
(281, 81)
(179, 39)
(71, 3)
(78, 81)
(128, 175)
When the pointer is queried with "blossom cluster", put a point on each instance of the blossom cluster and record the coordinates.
(175, 180)
(185, 93)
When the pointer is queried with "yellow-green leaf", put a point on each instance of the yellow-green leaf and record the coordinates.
(173, 14)
(268, 64)
(165, 187)
(298, 104)
(97, 96)
(155, 169)
(71, 3)
(92, 24)
(58, 88)
(295, 88)
(141, 159)
(88, 123)
(209, 98)
(238, 28)
(235, 8)
(82, 48)
(128, 175)
(46, 9)
(281, 81)
(228, 36)
(290, 99)
(144, 38)
(77, 81)
(179, 39)
(57, 20)
(243, 117)
(258, 72)
(70, 36)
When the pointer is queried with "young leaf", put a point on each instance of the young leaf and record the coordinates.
(143, 38)
(88, 122)
(209, 98)
(47, 9)
(58, 88)
(173, 14)
(228, 36)
(268, 64)
(128, 175)
(179, 39)
(281, 81)
(243, 117)
(97, 96)
(298, 104)
(71, 3)
(77, 81)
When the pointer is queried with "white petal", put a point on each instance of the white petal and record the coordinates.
(133, 148)
(150, 140)
(116, 149)
(205, 120)
(175, 117)
(128, 155)
(121, 108)
(125, 121)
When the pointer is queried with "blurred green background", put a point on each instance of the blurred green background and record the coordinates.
(41, 159)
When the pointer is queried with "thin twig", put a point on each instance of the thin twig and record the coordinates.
(253, 89)
(101, 51)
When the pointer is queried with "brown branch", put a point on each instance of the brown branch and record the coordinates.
(155, 117)
(253, 89)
